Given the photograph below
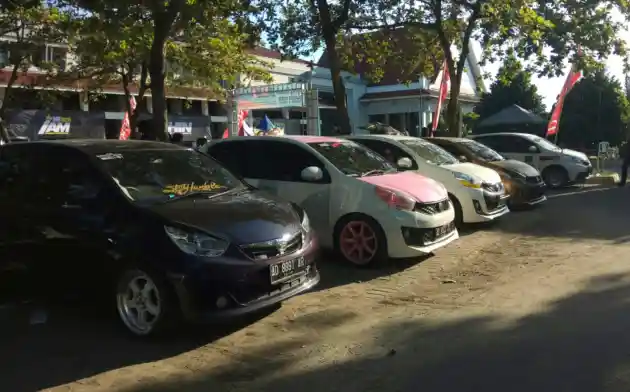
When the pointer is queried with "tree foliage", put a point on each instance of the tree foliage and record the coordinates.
(595, 110)
(546, 33)
(513, 86)
(28, 25)
(303, 27)
(161, 44)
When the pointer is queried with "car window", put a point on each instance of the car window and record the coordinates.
(450, 148)
(430, 152)
(163, 175)
(17, 168)
(517, 144)
(544, 143)
(494, 142)
(388, 151)
(230, 154)
(482, 151)
(278, 160)
(72, 179)
(353, 159)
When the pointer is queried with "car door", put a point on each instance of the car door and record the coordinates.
(19, 240)
(73, 217)
(521, 149)
(276, 166)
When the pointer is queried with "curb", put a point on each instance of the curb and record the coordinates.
(608, 179)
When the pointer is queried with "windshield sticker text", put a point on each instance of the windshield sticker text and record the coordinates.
(182, 189)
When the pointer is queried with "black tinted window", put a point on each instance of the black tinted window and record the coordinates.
(494, 142)
(276, 160)
(449, 148)
(17, 174)
(231, 154)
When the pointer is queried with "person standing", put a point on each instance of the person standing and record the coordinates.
(177, 138)
(625, 154)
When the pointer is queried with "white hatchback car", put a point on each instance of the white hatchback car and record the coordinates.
(356, 201)
(558, 166)
(476, 191)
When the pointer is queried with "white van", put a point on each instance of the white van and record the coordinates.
(476, 191)
(559, 166)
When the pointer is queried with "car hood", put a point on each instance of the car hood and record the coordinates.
(574, 153)
(472, 169)
(513, 165)
(423, 189)
(242, 218)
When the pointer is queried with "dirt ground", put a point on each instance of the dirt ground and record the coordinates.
(539, 301)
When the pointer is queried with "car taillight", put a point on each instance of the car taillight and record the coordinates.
(396, 199)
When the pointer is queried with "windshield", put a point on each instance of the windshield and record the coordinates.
(482, 151)
(544, 143)
(353, 159)
(431, 153)
(160, 175)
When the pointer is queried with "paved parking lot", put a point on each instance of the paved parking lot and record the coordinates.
(539, 302)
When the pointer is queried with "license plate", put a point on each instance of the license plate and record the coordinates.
(443, 230)
(285, 270)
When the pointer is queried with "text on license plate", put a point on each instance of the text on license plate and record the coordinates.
(286, 269)
(443, 230)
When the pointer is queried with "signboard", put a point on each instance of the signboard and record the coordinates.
(273, 96)
(191, 127)
(42, 124)
(185, 128)
(55, 125)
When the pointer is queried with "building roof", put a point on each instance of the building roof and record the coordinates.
(412, 93)
(273, 54)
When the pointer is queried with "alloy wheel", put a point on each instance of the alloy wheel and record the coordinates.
(358, 242)
(139, 303)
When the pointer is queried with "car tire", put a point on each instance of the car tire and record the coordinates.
(368, 238)
(555, 177)
(145, 302)
(459, 214)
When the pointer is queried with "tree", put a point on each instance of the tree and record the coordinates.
(28, 25)
(546, 33)
(302, 27)
(595, 110)
(198, 43)
(512, 86)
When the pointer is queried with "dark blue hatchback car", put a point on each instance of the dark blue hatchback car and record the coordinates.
(166, 232)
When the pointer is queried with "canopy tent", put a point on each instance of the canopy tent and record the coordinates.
(512, 115)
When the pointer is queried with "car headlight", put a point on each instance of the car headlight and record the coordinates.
(306, 223)
(467, 180)
(580, 161)
(196, 243)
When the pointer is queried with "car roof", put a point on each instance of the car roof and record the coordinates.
(447, 139)
(383, 137)
(97, 146)
(294, 138)
(527, 135)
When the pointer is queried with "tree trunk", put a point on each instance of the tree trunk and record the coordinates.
(4, 131)
(330, 39)
(452, 109)
(158, 90)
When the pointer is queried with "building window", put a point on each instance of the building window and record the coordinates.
(376, 118)
(4, 55)
(57, 56)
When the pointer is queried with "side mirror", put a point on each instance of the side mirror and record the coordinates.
(312, 174)
(462, 158)
(404, 163)
(532, 149)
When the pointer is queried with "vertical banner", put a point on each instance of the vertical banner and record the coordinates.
(553, 127)
(441, 98)
(125, 127)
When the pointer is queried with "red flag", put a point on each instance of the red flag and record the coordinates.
(242, 115)
(443, 93)
(554, 122)
(125, 127)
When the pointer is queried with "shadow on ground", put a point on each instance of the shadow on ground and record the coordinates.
(79, 343)
(580, 343)
(600, 213)
(337, 272)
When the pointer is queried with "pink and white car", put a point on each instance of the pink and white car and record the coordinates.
(357, 203)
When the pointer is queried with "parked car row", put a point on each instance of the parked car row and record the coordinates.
(169, 234)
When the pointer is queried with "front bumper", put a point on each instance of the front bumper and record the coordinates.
(412, 234)
(580, 177)
(525, 194)
(484, 206)
(242, 287)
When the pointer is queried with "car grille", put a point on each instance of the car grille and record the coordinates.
(433, 208)
(534, 179)
(426, 236)
(498, 187)
(270, 249)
